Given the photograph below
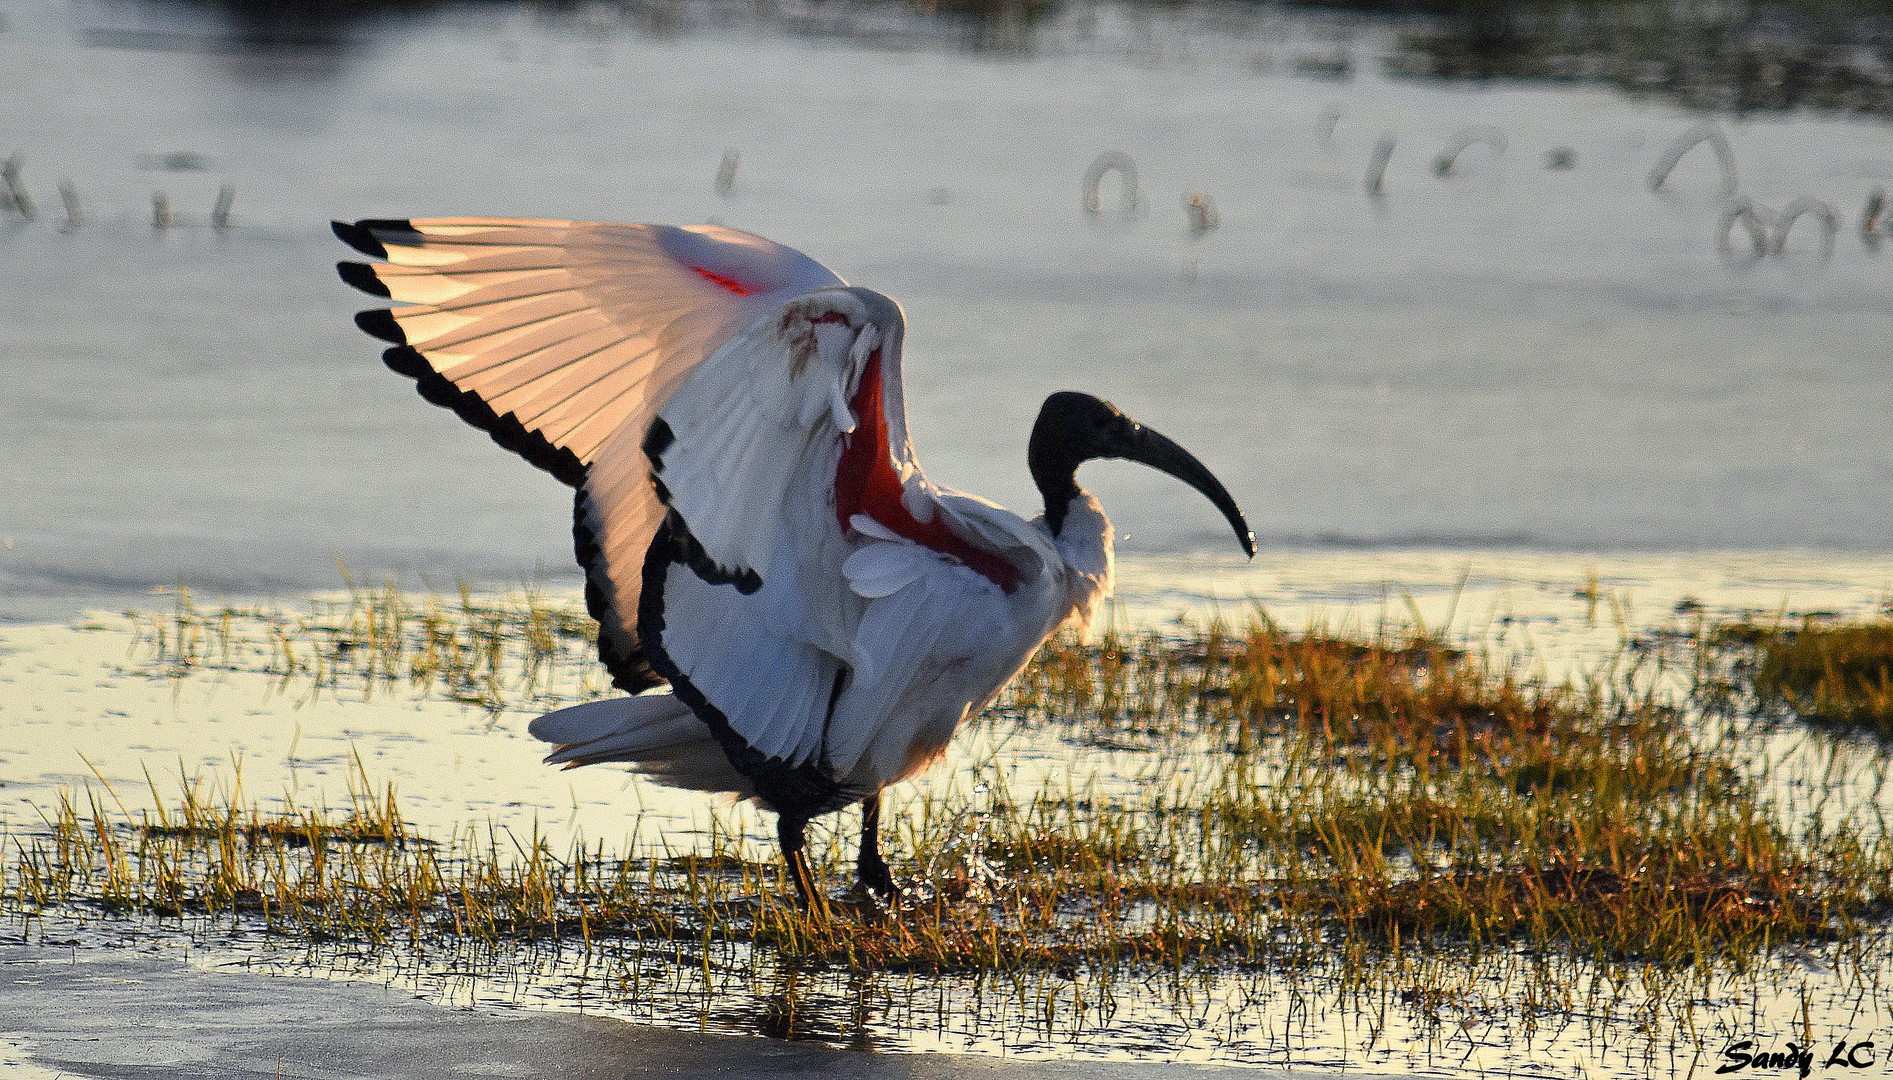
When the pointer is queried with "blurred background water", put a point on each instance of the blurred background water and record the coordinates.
(1427, 297)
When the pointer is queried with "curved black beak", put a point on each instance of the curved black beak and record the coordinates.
(1148, 447)
(1074, 428)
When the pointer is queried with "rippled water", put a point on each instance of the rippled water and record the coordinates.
(1538, 359)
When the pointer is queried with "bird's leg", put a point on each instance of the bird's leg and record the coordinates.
(790, 833)
(870, 867)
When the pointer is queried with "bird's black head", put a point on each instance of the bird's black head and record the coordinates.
(1074, 428)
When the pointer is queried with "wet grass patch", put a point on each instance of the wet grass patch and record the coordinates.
(518, 650)
(1392, 793)
(1821, 671)
(1381, 820)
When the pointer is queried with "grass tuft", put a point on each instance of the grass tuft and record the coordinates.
(1822, 672)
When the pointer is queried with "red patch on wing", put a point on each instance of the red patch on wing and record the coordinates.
(718, 279)
(865, 483)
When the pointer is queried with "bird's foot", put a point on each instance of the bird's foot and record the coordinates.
(873, 876)
(878, 897)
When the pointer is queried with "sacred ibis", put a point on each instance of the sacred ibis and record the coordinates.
(754, 528)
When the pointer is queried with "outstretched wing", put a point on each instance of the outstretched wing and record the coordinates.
(556, 336)
(551, 335)
(749, 515)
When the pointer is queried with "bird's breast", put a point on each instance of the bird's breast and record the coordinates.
(866, 483)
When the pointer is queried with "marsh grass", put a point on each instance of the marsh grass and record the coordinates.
(1385, 812)
(1823, 672)
(517, 650)
(1398, 792)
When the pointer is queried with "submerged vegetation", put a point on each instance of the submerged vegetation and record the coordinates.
(1390, 814)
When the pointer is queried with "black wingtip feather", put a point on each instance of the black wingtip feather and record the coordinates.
(506, 430)
(617, 637)
(657, 440)
(407, 360)
(400, 232)
(358, 237)
(363, 277)
(380, 322)
(367, 236)
(389, 225)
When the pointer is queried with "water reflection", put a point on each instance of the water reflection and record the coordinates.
(1738, 57)
(254, 42)
(265, 39)
(817, 1012)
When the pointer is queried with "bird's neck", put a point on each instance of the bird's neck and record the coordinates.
(1084, 544)
(1055, 472)
(1058, 504)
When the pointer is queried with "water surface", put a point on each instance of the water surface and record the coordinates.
(1514, 356)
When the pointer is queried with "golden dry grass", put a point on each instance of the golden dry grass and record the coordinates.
(1311, 791)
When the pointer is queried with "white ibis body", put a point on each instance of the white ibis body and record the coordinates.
(753, 527)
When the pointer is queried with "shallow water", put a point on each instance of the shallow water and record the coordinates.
(88, 701)
(91, 713)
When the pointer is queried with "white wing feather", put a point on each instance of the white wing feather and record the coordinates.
(767, 683)
(773, 401)
(942, 615)
(911, 638)
(755, 438)
(574, 329)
